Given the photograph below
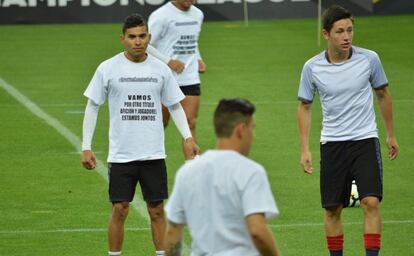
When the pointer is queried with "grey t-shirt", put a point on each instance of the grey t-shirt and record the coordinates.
(345, 91)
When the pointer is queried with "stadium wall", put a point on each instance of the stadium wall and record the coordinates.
(98, 11)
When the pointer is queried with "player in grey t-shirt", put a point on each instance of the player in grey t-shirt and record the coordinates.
(344, 76)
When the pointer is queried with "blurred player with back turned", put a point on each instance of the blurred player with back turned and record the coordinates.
(223, 196)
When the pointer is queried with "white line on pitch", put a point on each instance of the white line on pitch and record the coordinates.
(90, 230)
(75, 112)
(345, 223)
(76, 230)
(78, 152)
(66, 133)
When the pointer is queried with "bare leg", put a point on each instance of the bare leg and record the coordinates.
(334, 230)
(191, 104)
(165, 116)
(333, 225)
(372, 215)
(158, 223)
(116, 226)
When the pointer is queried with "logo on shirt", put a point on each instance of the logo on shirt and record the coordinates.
(138, 79)
(188, 23)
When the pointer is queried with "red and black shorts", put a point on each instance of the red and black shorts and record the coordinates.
(344, 161)
(151, 175)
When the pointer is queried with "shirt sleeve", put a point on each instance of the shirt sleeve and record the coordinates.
(306, 86)
(171, 92)
(198, 54)
(156, 28)
(89, 124)
(175, 207)
(157, 54)
(257, 196)
(97, 89)
(377, 78)
(178, 116)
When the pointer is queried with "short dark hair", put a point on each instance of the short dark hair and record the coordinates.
(333, 14)
(229, 113)
(132, 21)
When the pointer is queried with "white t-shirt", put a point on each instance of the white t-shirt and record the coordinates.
(135, 92)
(175, 33)
(345, 91)
(213, 194)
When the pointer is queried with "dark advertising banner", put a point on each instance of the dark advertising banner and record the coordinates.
(96, 11)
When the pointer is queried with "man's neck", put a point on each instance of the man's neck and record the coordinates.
(136, 59)
(179, 7)
(338, 56)
(228, 144)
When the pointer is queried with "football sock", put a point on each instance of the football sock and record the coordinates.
(372, 244)
(371, 253)
(114, 253)
(335, 245)
(160, 253)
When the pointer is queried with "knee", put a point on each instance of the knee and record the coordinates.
(156, 210)
(120, 211)
(370, 204)
(333, 213)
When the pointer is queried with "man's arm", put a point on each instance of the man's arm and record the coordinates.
(175, 65)
(177, 113)
(261, 235)
(173, 239)
(89, 124)
(304, 123)
(385, 106)
(202, 67)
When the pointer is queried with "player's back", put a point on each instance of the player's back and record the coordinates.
(214, 204)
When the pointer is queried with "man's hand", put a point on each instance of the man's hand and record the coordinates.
(393, 148)
(202, 67)
(191, 149)
(88, 159)
(306, 162)
(176, 65)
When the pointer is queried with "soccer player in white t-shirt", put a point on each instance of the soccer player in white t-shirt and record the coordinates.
(223, 196)
(175, 29)
(345, 77)
(136, 85)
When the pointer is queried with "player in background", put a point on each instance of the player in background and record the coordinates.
(175, 28)
(136, 85)
(345, 77)
(223, 196)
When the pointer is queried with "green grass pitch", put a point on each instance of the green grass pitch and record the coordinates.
(49, 205)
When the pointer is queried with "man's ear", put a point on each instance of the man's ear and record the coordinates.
(239, 129)
(325, 34)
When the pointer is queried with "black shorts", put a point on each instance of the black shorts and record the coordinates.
(151, 175)
(191, 90)
(344, 161)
